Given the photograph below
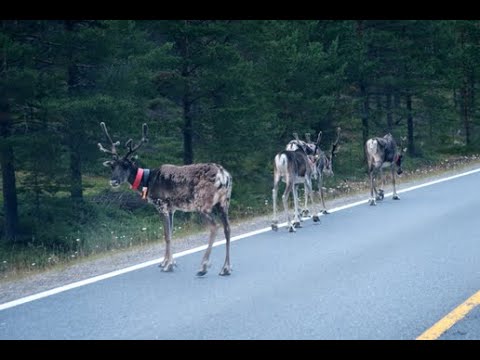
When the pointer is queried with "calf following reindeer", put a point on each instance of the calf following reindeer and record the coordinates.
(382, 152)
(325, 167)
(200, 188)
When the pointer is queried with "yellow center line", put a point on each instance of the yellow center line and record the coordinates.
(451, 319)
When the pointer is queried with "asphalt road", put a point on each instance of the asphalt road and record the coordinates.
(384, 272)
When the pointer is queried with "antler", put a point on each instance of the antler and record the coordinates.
(334, 145)
(136, 147)
(403, 139)
(114, 150)
(319, 137)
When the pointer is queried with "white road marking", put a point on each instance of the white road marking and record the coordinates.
(94, 279)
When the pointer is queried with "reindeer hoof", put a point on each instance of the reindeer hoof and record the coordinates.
(203, 268)
(226, 270)
(274, 227)
(166, 263)
(297, 224)
(168, 267)
(372, 202)
(325, 212)
(291, 228)
(305, 213)
(381, 195)
(316, 218)
(395, 197)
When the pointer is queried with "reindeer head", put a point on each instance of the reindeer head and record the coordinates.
(123, 169)
(328, 161)
(309, 148)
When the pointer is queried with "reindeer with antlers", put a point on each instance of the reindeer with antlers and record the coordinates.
(313, 151)
(325, 167)
(294, 167)
(382, 152)
(202, 188)
(324, 163)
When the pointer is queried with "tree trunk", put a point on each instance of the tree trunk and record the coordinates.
(76, 186)
(8, 175)
(187, 104)
(471, 101)
(410, 138)
(378, 109)
(389, 112)
(364, 112)
(187, 132)
(464, 111)
(365, 105)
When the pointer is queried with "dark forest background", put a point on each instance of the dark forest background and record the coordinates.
(230, 92)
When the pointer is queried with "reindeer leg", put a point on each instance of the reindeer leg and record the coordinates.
(274, 202)
(167, 263)
(296, 217)
(305, 212)
(285, 195)
(380, 194)
(395, 196)
(322, 196)
(297, 213)
(213, 231)
(308, 189)
(227, 268)
(372, 201)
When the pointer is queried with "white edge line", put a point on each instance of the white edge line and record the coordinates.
(94, 279)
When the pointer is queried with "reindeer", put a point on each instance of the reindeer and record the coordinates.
(325, 167)
(382, 152)
(200, 188)
(312, 150)
(324, 163)
(293, 167)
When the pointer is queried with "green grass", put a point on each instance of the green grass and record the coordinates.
(60, 233)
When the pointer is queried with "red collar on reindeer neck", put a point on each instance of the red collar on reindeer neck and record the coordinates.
(138, 179)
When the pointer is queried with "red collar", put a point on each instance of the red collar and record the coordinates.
(138, 179)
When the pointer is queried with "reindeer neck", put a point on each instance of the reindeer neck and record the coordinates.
(139, 178)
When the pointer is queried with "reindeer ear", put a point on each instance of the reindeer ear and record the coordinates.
(108, 163)
(404, 150)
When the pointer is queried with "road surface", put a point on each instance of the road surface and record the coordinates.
(385, 272)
